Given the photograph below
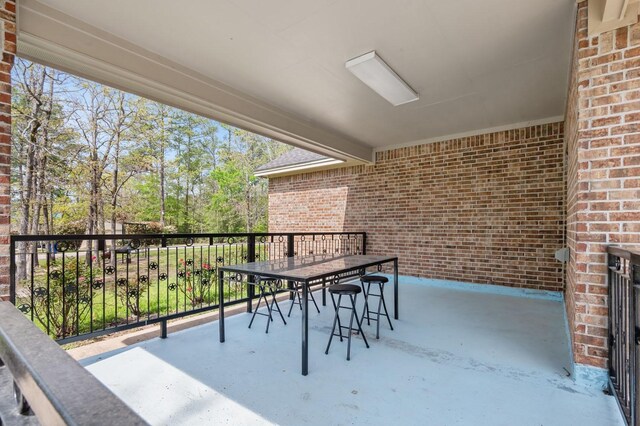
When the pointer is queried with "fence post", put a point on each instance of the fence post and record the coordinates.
(634, 272)
(290, 253)
(364, 243)
(611, 263)
(12, 271)
(251, 257)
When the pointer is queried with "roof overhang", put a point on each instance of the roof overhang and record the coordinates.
(50, 37)
(278, 68)
(297, 168)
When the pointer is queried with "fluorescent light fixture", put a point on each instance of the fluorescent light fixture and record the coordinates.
(379, 76)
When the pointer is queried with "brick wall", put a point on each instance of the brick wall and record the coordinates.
(483, 209)
(603, 135)
(8, 40)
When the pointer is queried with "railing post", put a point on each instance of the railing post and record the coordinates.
(251, 257)
(290, 253)
(12, 271)
(610, 283)
(364, 243)
(163, 329)
(634, 272)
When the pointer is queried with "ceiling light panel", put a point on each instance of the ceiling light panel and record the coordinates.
(379, 76)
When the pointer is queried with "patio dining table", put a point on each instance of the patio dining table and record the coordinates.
(306, 271)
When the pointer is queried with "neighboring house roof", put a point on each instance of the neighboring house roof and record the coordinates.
(294, 160)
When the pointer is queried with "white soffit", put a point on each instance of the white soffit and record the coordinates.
(58, 40)
(476, 65)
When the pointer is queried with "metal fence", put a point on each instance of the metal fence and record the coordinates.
(78, 286)
(624, 331)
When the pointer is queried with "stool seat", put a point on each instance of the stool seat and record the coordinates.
(344, 289)
(374, 278)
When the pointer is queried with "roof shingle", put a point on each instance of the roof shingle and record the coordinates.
(294, 157)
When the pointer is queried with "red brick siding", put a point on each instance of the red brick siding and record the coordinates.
(8, 28)
(484, 209)
(604, 174)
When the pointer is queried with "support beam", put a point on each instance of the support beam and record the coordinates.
(607, 15)
(614, 10)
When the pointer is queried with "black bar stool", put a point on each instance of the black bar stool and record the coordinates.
(268, 286)
(352, 291)
(380, 281)
(297, 298)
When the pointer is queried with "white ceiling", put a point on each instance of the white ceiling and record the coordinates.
(477, 64)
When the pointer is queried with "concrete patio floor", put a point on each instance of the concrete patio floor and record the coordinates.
(455, 357)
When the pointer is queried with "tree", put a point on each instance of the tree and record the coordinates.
(242, 197)
(86, 152)
(38, 133)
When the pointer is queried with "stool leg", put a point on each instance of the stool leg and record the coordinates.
(358, 322)
(269, 309)
(368, 313)
(255, 311)
(293, 301)
(313, 299)
(353, 313)
(384, 304)
(338, 306)
(380, 299)
(365, 310)
(274, 301)
(333, 329)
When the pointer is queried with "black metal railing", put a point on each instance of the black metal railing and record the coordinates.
(48, 383)
(624, 331)
(77, 286)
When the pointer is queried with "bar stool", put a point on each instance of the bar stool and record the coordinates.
(352, 291)
(380, 281)
(268, 286)
(297, 298)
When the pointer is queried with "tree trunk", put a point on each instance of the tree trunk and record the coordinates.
(37, 86)
(94, 200)
(163, 136)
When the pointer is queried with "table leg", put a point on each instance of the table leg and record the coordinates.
(395, 288)
(250, 292)
(221, 304)
(305, 328)
(324, 292)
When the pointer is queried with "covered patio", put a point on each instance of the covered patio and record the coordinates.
(457, 356)
(507, 185)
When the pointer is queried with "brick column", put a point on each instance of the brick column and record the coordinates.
(8, 42)
(603, 174)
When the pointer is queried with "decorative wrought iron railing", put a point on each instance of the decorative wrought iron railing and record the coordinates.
(78, 286)
(624, 329)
